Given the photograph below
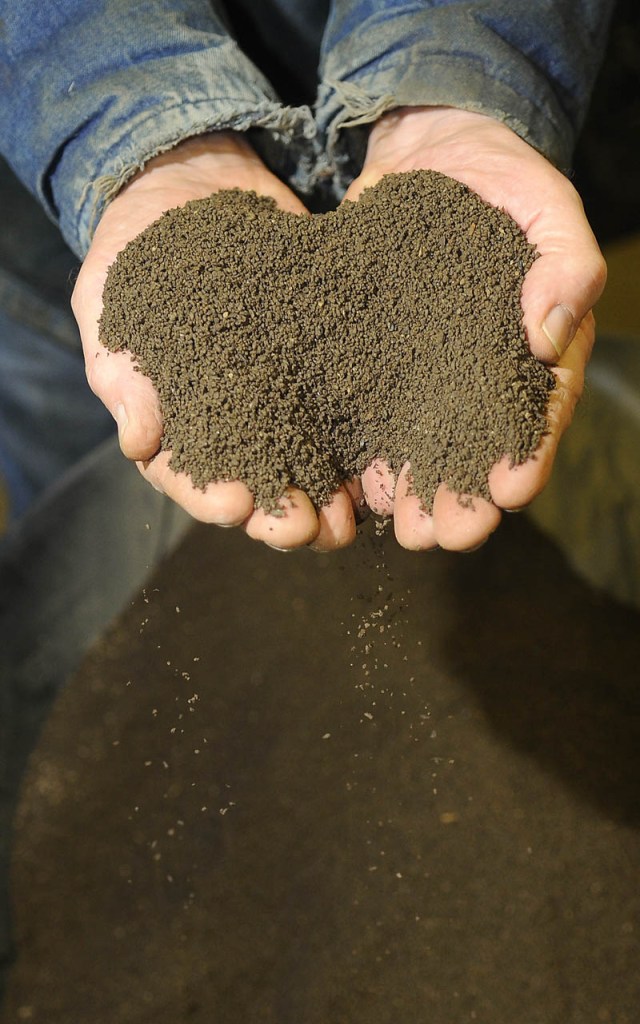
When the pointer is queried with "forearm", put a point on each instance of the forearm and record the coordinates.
(529, 64)
(92, 91)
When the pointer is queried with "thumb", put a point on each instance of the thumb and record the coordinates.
(568, 277)
(130, 398)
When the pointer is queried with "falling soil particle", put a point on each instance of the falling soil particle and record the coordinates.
(292, 350)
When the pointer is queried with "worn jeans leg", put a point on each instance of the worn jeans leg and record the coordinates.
(48, 416)
(67, 569)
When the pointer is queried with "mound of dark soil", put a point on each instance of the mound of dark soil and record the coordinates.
(295, 350)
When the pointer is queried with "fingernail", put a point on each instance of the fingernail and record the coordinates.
(559, 328)
(121, 418)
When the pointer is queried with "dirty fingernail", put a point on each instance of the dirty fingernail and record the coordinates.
(559, 328)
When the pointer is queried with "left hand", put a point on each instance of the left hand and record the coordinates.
(557, 298)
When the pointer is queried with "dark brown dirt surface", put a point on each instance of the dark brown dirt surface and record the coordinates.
(296, 350)
(237, 814)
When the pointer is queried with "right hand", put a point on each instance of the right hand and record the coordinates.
(192, 170)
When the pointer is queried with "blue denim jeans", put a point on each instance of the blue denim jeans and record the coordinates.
(48, 417)
(120, 82)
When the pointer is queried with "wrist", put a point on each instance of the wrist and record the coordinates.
(197, 159)
(408, 120)
(405, 130)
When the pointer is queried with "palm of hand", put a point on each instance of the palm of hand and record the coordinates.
(192, 171)
(567, 279)
(491, 160)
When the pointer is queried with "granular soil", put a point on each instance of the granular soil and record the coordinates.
(225, 821)
(293, 350)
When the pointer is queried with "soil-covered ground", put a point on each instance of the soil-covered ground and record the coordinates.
(369, 789)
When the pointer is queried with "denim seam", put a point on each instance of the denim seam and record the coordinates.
(439, 60)
(549, 140)
(281, 119)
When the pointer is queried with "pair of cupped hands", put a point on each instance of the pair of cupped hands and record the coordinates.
(558, 295)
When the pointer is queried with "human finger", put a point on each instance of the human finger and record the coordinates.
(130, 398)
(462, 522)
(378, 486)
(292, 524)
(222, 502)
(337, 524)
(513, 487)
(355, 490)
(413, 527)
(567, 278)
